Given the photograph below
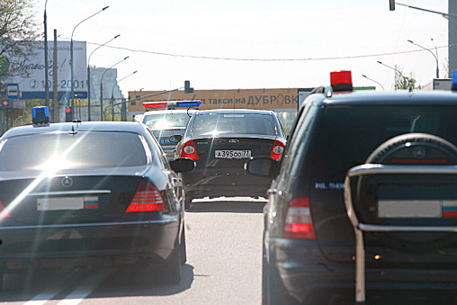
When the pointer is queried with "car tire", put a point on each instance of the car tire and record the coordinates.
(273, 290)
(172, 271)
(381, 155)
(2, 276)
(183, 248)
(387, 148)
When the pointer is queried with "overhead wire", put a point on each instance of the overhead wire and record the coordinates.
(266, 59)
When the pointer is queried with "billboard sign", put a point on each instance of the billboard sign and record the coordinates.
(33, 87)
(223, 99)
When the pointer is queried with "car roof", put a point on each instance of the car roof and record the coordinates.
(391, 98)
(168, 111)
(83, 126)
(235, 111)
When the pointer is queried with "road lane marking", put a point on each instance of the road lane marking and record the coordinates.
(51, 291)
(78, 295)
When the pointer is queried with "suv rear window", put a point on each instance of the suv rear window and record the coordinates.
(81, 150)
(345, 136)
(236, 123)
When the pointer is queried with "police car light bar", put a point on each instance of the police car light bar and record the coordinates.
(171, 104)
(341, 81)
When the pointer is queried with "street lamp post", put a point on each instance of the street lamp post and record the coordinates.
(46, 88)
(373, 81)
(72, 94)
(112, 93)
(101, 86)
(434, 55)
(396, 71)
(88, 74)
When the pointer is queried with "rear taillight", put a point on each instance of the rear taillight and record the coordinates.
(299, 223)
(147, 199)
(189, 151)
(3, 212)
(277, 150)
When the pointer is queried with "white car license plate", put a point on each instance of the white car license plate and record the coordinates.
(67, 203)
(417, 208)
(409, 208)
(232, 154)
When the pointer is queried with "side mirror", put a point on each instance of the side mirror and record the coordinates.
(262, 166)
(182, 165)
(175, 138)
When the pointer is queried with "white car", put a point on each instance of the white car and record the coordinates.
(164, 124)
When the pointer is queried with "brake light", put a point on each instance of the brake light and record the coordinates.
(189, 151)
(277, 150)
(3, 212)
(147, 199)
(341, 81)
(299, 223)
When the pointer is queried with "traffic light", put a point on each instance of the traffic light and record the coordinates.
(187, 88)
(391, 5)
(68, 116)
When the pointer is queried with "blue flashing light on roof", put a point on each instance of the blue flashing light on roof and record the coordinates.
(40, 115)
(188, 103)
(454, 81)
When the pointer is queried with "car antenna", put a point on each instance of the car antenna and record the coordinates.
(72, 132)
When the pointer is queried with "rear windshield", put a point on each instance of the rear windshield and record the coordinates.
(164, 120)
(65, 151)
(234, 123)
(345, 137)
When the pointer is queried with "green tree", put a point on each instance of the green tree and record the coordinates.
(18, 31)
(405, 82)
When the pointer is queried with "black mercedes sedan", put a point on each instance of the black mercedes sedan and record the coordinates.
(90, 193)
(221, 141)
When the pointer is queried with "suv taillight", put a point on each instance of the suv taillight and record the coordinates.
(277, 150)
(299, 223)
(147, 199)
(188, 150)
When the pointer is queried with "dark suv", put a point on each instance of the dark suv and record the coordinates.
(309, 241)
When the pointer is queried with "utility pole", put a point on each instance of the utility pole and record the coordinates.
(46, 73)
(55, 108)
(451, 16)
(452, 32)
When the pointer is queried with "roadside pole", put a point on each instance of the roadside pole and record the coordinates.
(55, 107)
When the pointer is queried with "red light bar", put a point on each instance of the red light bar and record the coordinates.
(154, 105)
(341, 81)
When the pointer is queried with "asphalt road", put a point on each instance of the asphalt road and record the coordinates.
(223, 267)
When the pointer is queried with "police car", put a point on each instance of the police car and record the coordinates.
(171, 120)
(363, 205)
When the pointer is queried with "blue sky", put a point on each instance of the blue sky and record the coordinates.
(306, 39)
